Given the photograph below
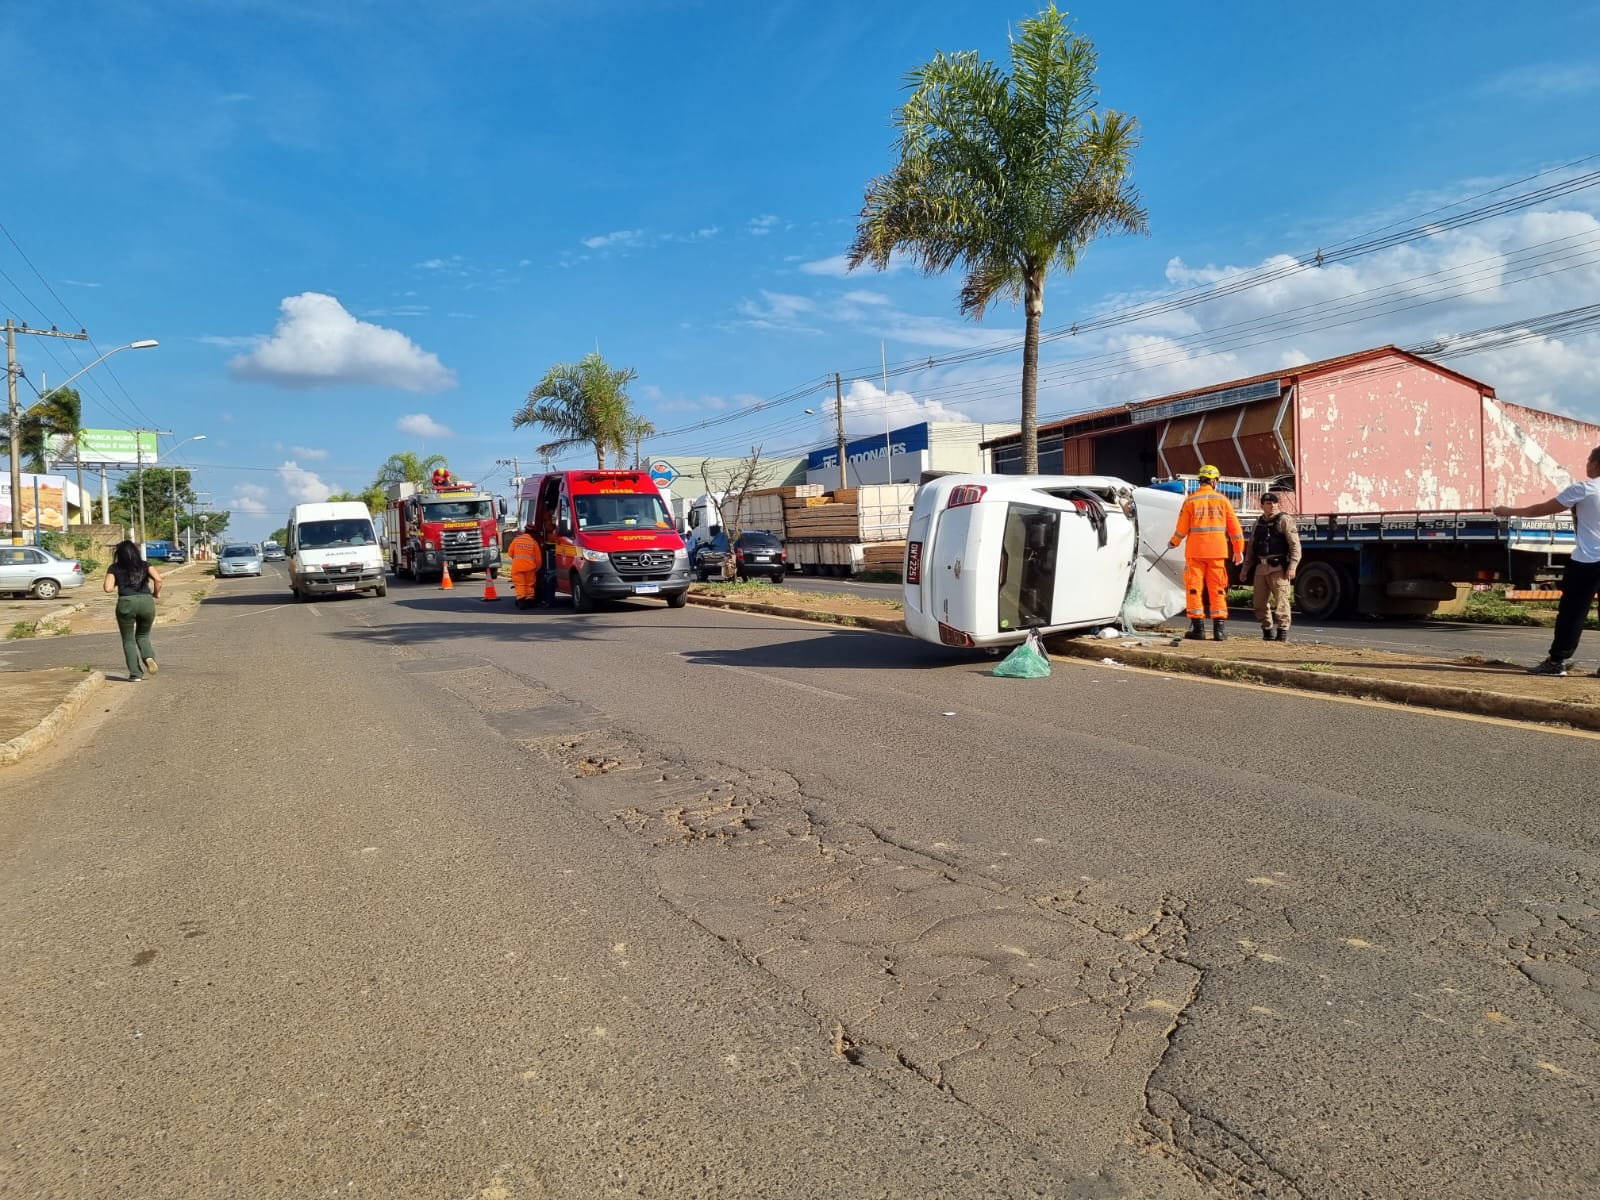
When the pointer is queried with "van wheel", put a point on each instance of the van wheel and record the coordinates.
(381, 590)
(581, 600)
(678, 599)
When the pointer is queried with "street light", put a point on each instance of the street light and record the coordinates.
(14, 426)
(172, 478)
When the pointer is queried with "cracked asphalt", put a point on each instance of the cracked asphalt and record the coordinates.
(464, 901)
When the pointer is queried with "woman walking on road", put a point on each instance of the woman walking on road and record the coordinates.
(137, 584)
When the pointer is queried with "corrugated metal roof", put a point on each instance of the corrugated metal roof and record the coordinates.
(1122, 415)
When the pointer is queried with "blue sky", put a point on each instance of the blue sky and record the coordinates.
(371, 225)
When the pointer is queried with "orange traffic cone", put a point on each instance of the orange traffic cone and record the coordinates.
(488, 588)
(445, 582)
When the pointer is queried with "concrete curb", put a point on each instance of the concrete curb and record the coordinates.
(878, 624)
(56, 615)
(1420, 695)
(1417, 695)
(55, 721)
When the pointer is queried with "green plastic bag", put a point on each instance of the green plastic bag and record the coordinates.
(1027, 661)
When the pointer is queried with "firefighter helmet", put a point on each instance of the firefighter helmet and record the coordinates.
(1210, 472)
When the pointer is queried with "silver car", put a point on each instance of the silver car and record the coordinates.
(240, 558)
(32, 571)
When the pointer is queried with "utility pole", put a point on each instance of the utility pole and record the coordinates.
(138, 454)
(194, 505)
(838, 410)
(14, 423)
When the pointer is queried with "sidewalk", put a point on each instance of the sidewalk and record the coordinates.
(49, 675)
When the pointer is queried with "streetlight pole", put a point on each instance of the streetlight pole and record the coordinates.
(16, 414)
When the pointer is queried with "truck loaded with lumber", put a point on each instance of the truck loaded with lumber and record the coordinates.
(842, 532)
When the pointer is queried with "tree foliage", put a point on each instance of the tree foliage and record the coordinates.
(585, 403)
(405, 467)
(735, 480)
(1006, 177)
(168, 491)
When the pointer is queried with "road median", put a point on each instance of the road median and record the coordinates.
(1477, 686)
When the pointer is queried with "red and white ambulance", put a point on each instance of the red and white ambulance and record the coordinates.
(609, 535)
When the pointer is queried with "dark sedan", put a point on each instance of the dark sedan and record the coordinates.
(759, 554)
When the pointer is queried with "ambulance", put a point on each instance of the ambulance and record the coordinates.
(608, 536)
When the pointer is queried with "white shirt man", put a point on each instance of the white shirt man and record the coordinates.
(1580, 582)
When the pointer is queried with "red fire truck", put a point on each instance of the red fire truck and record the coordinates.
(427, 527)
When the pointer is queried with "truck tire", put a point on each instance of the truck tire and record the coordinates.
(1324, 590)
(381, 590)
(581, 600)
(678, 599)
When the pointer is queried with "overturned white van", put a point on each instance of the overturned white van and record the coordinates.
(991, 557)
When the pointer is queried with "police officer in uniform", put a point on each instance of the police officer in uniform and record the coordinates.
(1270, 561)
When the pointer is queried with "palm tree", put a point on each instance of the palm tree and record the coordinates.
(585, 403)
(407, 467)
(57, 413)
(1006, 177)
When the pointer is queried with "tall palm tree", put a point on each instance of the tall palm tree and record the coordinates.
(1005, 177)
(407, 467)
(585, 403)
(56, 414)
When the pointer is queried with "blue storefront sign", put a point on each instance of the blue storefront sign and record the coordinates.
(913, 439)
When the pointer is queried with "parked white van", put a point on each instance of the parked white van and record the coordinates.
(990, 557)
(333, 548)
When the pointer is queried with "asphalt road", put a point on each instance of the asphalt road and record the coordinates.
(430, 897)
(1438, 639)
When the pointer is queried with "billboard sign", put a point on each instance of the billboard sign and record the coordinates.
(44, 501)
(107, 447)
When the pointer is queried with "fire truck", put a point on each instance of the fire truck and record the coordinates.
(427, 527)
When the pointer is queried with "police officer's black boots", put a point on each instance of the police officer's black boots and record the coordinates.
(1197, 630)
(1266, 634)
(1283, 633)
(1218, 631)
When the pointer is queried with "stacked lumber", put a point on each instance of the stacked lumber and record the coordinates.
(884, 556)
(768, 508)
(873, 513)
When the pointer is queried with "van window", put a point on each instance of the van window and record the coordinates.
(622, 510)
(324, 535)
(1028, 566)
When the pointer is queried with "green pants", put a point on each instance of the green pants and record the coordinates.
(135, 616)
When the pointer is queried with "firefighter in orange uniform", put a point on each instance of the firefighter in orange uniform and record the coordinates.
(1214, 536)
(526, 560)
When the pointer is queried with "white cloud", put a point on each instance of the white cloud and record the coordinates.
(868, 409)
(838, 266)
(777, 311)
(249, 498)
(318, 344)
(622, 237)
(763, 225)
(302, 485)
(230, 342)
(398, 310)
(308, 452)
(80, 283)
(422, 425)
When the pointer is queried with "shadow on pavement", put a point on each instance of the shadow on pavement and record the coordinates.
(252, 599)
(834, 650)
